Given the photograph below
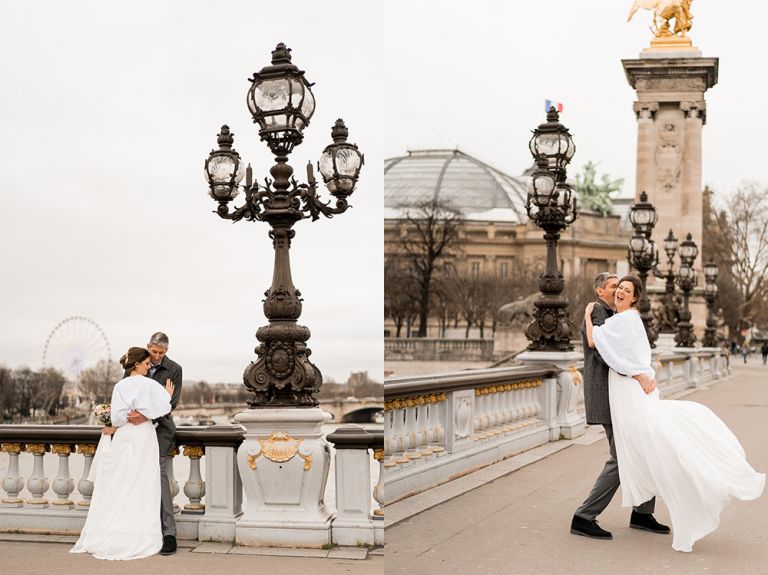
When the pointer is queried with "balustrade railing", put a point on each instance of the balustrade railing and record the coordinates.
(213, 505)
(442, 425)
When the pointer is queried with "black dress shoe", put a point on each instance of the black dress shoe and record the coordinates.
(169, 545)
(580, 526)
(647, 522)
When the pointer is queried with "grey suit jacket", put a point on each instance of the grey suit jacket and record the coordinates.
(166, 428)
(596, 404)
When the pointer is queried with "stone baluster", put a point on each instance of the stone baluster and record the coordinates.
(378, 496)
(422, 420)
(13, 483)
(37, 484)
(194, 488)
(479, 414)
(172, 477)
(63, 485)
(390, 441)
(402, 441)
(84, 486)
(411, 429)
(519, 410)
(436, 429)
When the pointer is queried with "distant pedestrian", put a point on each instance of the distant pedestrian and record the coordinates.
(745, 352)
(764, 351)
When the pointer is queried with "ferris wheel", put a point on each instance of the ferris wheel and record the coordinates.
(75, 344)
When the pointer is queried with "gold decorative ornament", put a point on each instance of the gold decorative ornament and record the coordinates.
(62, 449)
(252, 460)
(12, 447)
(307, 461)
(667, 37)
(86, 449)
(195, 451)
(173, 452)
(378, 454)
(280, 447)
(38, 448)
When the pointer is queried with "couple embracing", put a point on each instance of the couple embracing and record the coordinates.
(677, 450)
(131, 510)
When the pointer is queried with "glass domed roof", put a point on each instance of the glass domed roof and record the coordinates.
(478, 190)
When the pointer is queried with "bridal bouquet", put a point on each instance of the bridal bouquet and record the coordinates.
(102, 415)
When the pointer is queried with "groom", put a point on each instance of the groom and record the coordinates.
(599, 412)
(161, 369)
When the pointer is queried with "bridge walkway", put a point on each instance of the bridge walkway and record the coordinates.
(518, 522)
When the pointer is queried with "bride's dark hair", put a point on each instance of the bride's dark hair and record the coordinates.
(637, 284)
(133, 356)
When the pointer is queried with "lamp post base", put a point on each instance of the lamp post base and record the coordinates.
(284, 462)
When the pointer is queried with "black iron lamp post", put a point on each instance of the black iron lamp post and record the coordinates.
(552, 206)
(710, 295)
(643, 256)
(667, 323)
(687, 280)
(281, 103)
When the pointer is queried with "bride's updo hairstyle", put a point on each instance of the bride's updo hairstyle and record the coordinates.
(133, 356)
(638, 288)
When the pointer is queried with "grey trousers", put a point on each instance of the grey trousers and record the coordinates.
(167, 521)
(606, 485)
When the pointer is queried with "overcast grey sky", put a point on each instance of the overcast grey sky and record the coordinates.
(109, 109)
(108, 112)
(476, 75)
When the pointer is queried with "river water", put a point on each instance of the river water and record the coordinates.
(180, 468)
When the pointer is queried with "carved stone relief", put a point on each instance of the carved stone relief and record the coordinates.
(462, 416)
(668, 156)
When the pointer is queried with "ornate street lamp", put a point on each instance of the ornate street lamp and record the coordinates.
(643, 256)
(281, 103)
(668, 323)
(711, 272)
(686, 280)
(552, 206)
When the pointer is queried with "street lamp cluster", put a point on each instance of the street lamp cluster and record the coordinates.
(552, 206)
(282, 104)
(644, 257)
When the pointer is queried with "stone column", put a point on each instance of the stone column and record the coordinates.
(670, 111)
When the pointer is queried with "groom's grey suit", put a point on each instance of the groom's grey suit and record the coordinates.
(598, 411)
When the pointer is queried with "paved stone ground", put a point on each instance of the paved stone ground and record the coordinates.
(519, 523)
(48, 554)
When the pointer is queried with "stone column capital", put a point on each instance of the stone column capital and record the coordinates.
(695, 109)
(645, 110)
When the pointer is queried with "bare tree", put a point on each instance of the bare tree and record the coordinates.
(743, 227)
(8, 394)
(432, 231)
(400, 293)
(96, 382)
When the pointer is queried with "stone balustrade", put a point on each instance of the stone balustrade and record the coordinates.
(60, 505)
(440, 426)
(437, 349)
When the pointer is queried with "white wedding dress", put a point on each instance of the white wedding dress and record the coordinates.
(677, 450)
(123, 520)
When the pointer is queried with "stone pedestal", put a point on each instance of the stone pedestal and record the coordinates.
(671, 111)
(284, 464)
(570, 388)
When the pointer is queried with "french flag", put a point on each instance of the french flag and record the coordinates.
(557, 105)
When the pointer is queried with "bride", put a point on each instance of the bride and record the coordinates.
(678, 450)
(123, 520)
